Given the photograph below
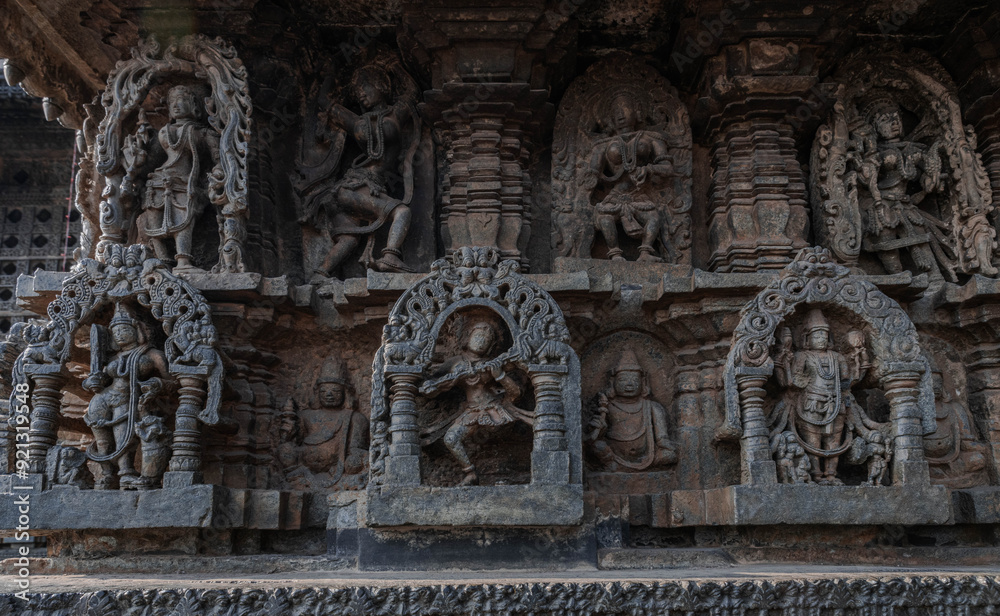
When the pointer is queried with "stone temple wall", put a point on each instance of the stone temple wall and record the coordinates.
(538, 286)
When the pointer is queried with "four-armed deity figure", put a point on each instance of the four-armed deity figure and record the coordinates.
(490, 393)
(821, 377)
(178, 190)
(123, 407)
(630, 428)
(629, 168)
(362, 200)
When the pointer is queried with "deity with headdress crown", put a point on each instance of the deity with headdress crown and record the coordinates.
(629, 430)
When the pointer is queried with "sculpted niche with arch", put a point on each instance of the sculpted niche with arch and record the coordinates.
(172, 140)
(471, 350)
(825, 369)
(136, 374)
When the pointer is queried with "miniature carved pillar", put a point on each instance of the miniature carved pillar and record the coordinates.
(549, 457)
(688, 404)
(988, 131)
(757, 464)
(402, 466)
(487, 200)
(902, 389)
(758, 197)
(46, 394)
(187, 436)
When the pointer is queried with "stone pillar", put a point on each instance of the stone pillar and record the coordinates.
(46, 395)
(689, 421)
(185, 461)
(758, 201)
(902, 389)
(487, 194)
(549, 455)
(757, 464)
(988, 132)
(402, 466)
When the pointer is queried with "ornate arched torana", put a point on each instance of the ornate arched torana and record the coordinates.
(472, 278)
(194, 58)
(128, 275)
(813, 279)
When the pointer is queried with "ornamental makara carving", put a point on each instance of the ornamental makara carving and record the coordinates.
(358, 175)
(155, 373)
(896, 181)
(173, 143)
(621, 166)
(823, 369)
(470, 351)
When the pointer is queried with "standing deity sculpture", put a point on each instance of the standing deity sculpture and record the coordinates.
(629, 430)
(897, 183)
(490, 394)
(818, 379)
(622, 165)
(325, 447)
(127, 377)
(178, 190)
(377, 186)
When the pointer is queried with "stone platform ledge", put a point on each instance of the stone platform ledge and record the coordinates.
(35, 291)
(811, 504)
(517, 505)
(782, 592)
(194, 506)
(976, 505)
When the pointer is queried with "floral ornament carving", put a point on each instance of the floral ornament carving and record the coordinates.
(814, 278)
(120, 157)
(472, 276)
(902, 191)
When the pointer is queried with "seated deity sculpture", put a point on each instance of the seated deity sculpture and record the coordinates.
(489, 392)
(177, 191)
(629, 431)
(625, 170)
(326, 447)
(123, 414)
(364, 198)
(957, 458)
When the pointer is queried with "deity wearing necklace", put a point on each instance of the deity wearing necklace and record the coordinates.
(626, 171)
(362, 200)
(175, 191)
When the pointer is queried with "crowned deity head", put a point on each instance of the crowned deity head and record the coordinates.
(817, 330)
(334, 389)
(883, 114)
(628, 376)
(182, 103)
(124, 329)
(372, 86)
(623, 113)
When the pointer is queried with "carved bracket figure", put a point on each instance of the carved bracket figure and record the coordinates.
(482, 374)
(351, 201)
(621, 164)
(896, 180)
(818, 408)
(157, 181)
(129, 376)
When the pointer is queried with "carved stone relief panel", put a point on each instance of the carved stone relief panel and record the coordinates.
(154, 372)
(804, 351)
(621, 166)
(472, 352)
(897, 184)
(356, 171)
(172, 141)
